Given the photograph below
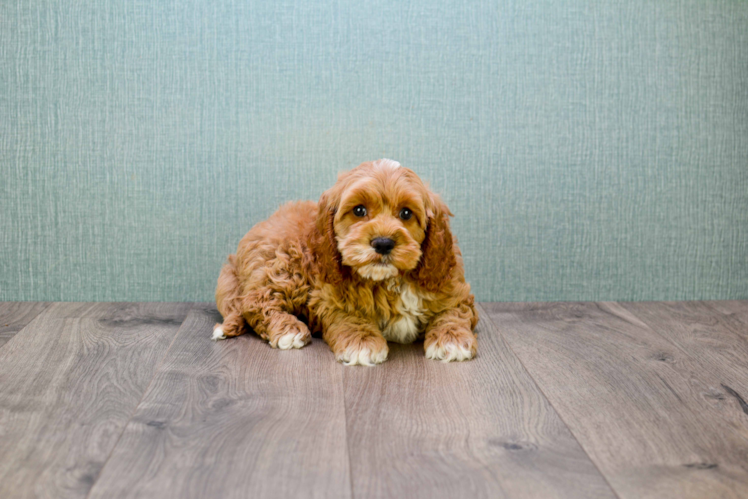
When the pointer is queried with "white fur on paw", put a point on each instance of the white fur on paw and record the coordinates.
(448, 352)
(218, 334)
(292, 340)
(363, 356)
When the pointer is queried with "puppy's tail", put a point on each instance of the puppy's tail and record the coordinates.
(228, 301)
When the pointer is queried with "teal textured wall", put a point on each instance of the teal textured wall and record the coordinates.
(589, 149)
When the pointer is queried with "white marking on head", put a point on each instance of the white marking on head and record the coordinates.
(385, 162)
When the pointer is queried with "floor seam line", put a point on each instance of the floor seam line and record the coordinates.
(142, 396)
(347, 441)
(529, 374)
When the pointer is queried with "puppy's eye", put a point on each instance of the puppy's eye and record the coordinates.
(359, 211)
(406, 214)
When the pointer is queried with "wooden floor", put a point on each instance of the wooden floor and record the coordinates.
(564, 400)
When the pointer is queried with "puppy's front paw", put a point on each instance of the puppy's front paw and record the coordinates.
(218, 333)
(367, 351)
(459, 345)
(295, 337)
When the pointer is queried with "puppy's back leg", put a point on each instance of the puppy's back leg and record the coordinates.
(229, 303)
(272, 291)
(268, 315)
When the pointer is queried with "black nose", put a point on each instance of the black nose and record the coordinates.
(383, 245)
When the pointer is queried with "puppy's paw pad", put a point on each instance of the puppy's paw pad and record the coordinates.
(449, 351)
(218, 334)
(363, 356)
(292, 340)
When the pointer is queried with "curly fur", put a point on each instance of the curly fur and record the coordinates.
(315, 261)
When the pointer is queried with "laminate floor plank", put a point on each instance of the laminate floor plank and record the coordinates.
(234, 418)
(736, 312)
(15, 315)
(719, 341)
(69, 382)
(643, 410)
(482, 428)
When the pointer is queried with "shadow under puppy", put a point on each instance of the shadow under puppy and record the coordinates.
(373, 261)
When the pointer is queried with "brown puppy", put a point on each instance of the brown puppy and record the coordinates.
(373, 261)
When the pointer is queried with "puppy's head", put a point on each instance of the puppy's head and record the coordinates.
(379, 221)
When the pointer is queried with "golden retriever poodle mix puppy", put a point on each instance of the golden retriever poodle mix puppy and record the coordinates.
(373, 261)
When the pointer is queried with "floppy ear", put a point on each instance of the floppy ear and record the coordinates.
(327, 260)
(438, 257)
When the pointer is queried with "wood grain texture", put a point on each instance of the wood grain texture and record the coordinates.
(734, 310)
(420, 428)
(15, 315)
(70, 382)
(643, 410)
(110, 400)
(718, 341)
(234, 419)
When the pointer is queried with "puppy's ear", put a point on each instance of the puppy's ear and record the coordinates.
(438, 258)
(327, 260)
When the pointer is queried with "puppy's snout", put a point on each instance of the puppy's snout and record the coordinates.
(383, 246)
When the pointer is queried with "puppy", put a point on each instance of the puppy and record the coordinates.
(373, 261)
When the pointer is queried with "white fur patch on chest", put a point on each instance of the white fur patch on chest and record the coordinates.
(410, 319)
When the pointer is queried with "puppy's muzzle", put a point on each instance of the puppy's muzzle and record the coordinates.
(383, 246)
